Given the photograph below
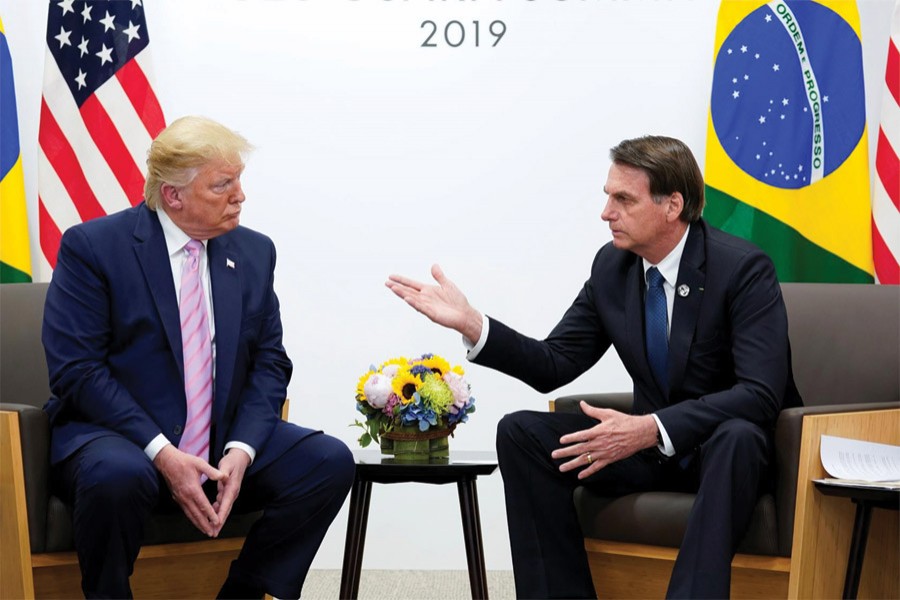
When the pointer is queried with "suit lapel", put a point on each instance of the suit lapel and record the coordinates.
(153, 256)
(686, 309)
(225, 280)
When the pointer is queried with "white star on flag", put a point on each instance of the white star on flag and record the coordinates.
(105, 55)
(132, 32)
(108, 22)
(63, 37)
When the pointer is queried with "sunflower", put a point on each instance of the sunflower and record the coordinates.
(459, 370)
(405, 384)
(438, 365)
(360, 392)
(400, 360)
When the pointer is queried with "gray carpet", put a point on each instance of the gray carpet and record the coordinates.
(411, 585)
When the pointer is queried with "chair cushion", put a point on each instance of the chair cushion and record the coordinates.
(660, 519)
(169, 528)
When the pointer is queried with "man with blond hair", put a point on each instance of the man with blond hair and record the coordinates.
(164, 345)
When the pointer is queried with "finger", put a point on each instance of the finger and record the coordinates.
(572, 450)
(200, 508)
(595, 411)
(211, 472)
(405, 282)
(196, 515)
(592, 468)
(579, 436)
(226, 504)
(438, 273)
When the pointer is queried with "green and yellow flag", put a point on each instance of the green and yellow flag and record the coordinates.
(15, 256)
(787, 149)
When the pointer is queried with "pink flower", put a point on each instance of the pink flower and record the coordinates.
(460, 390)
(378, 390)
(393, 400)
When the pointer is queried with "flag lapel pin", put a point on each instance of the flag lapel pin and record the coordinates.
(229, 263)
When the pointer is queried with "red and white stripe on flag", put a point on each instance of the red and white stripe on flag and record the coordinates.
(98, 115)
(886, 196)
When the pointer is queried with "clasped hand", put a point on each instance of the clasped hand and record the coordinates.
(615, 436)
(183, 472)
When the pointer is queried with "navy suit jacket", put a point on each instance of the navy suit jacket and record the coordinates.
(113, 339)
(729, 355)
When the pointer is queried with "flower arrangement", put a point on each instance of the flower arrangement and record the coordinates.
(422, 394)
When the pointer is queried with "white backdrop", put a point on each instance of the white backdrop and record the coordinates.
(376, 155)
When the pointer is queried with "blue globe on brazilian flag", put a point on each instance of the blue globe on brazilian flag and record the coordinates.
(787, 149)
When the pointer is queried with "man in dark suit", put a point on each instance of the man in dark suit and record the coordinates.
(164, 344)
(697, 318)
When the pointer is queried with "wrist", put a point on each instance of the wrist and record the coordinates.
(653, 437)
(473, 326)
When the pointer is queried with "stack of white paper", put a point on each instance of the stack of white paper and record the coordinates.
(859, 463)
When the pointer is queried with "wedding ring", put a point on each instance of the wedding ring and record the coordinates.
(589, 458)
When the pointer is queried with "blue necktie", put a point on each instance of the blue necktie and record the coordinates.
(656, 324)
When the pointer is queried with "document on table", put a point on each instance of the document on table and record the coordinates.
(860, 463)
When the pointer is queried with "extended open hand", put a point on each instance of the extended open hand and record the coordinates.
(444, 303)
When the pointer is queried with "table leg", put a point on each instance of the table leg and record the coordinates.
(471, 521)
(857, 548)
(356, 537)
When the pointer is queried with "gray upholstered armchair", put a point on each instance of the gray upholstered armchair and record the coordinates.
(845, 342)
(37, 544)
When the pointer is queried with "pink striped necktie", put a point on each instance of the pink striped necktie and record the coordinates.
(197, 349)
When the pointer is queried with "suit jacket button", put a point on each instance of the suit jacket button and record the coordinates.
(177, 430)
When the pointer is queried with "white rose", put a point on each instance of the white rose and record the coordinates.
(378, 390)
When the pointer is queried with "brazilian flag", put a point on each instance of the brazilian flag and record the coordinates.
(15, 256)
(787, 149)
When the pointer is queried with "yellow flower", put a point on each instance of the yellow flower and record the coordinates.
(360, 392)
(438, 365)
(405, 384)
(458, 370)
(400, 360)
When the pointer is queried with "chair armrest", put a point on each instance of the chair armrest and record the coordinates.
(788, 431)
(620, 401)
(34, 428)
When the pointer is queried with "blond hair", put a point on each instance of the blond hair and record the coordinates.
(188, 143)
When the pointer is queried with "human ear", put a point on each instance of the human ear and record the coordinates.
(674, 206)
(171, 196)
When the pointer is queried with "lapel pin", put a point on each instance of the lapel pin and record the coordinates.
(229, 263)
(683, 290)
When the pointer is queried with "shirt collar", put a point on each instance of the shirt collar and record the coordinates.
(175, 237)
(668, 267)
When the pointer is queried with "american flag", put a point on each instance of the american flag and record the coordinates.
(886, 196)
(98, 115)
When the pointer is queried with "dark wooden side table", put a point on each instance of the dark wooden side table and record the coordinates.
(865, 498)
(462, 468)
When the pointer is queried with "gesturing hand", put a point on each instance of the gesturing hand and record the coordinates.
(182, 474)
(616, 436)
(443, 303)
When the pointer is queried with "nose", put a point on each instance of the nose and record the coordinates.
(607, 214)
(238, 195)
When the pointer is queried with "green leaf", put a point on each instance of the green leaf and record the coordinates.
(365, 439)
